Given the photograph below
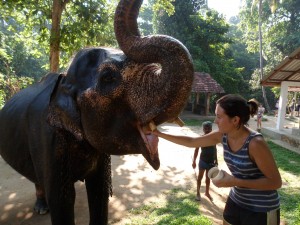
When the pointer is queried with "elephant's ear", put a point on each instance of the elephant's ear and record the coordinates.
(63, 110)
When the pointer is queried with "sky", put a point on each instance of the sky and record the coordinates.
(227, 7)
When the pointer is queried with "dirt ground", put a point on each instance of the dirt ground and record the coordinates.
(135, 183)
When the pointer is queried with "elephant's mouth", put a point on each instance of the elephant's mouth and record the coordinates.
(151, 143)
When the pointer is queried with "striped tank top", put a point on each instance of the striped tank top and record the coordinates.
(242, 167)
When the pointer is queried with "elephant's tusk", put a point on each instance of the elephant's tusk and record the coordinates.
(152, 126)
(179, 122)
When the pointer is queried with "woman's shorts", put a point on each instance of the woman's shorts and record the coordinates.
(236, 215)
(205, 166)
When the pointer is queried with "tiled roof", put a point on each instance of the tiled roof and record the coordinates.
(204, 83)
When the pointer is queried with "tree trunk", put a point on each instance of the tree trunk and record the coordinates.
(57, 9)
(261, 57)
(207, 103)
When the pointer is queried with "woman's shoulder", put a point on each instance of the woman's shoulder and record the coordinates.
(257, 142)
(217, 135)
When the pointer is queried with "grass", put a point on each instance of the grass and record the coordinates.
(195, 122)
(177, 206)
(288, 163)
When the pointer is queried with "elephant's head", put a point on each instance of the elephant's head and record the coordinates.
(107, 95)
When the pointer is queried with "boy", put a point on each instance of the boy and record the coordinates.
(208, 159)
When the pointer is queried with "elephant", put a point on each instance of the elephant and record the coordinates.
(65, 127)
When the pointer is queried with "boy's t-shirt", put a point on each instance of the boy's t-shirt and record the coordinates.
(208, 154)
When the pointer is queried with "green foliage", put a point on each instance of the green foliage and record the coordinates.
(276, 91)
(280, 36)
(5, 58)
(83, 23)
(245, 60)
(280, 30)
(145, 20)
(16, 55)
(2, 98)
(195, 122)
(288, 164)
(166, 5)
(88, 23)
(204, 36)
(10, 85)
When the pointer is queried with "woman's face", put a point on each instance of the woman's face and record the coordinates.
(224, 122)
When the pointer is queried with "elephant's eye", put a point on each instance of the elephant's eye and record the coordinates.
(108, 81)
(107, 77)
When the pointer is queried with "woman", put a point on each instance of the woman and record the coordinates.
(253, 198)
(260, 114)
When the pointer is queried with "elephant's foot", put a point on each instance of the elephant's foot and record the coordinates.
(41, 206)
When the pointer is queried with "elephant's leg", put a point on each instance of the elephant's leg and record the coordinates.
(61, 200)
(98, 186)
(41, 206)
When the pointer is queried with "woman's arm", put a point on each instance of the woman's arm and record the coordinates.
(212, 138)
(262, 156)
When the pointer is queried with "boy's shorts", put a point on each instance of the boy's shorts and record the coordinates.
(205, 166)
(236, 215)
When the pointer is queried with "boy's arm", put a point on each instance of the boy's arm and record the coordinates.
(195, 157)
(216, 156)
(195, 154)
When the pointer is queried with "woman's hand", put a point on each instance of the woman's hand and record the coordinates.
(226, 181)
(156, 132)
(147, 130)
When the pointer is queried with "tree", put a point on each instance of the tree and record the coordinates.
(16, 58)
(56, 30)
(273, 6)
(66, 25)
(280, 32)
(57, 9)
(244, 59)
(204, 36)
(63, 27)
(260, 55)
(278, 28)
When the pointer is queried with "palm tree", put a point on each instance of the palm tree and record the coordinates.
(273, 6)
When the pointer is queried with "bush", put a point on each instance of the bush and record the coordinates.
(9, 85)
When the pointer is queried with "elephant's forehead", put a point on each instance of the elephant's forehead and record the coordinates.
(115, 54)
(132, 70)
(108, 65)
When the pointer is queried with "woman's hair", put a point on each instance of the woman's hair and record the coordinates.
(235, 105)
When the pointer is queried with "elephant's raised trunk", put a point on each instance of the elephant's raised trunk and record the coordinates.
(168, 84)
